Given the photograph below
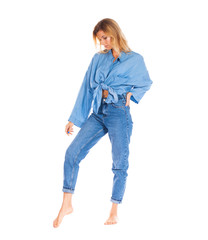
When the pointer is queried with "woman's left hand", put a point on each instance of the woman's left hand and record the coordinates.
(128, 96)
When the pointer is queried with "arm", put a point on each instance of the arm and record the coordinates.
(84, 99)
(142, 80)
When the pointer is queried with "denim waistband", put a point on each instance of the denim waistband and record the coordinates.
(122, 96)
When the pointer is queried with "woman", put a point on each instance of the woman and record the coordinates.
(115, 76)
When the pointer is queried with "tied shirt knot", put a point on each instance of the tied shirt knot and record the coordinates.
(97, 94)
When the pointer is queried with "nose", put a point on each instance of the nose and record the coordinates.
(102, 42)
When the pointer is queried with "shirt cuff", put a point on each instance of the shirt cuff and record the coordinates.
(76, 122)
(133, 98)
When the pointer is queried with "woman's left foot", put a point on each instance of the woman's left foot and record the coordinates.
(113, 219)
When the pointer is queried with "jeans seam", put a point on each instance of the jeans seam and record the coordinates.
(127, 119)
(78, 155)
(126, 136)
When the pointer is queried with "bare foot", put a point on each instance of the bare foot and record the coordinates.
(113, 219)
(63, 211)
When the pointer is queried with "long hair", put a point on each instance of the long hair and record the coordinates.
(111, 28)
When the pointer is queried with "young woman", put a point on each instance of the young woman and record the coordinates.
(115, 76)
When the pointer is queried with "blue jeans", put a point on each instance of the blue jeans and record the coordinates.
(114, 119)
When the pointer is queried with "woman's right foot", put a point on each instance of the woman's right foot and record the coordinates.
(63, 211)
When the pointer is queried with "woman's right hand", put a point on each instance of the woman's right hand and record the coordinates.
(69, 128)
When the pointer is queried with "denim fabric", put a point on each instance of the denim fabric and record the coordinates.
(128, 73)
(114, 119)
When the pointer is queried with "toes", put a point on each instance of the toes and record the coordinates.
(109, 222)
(56, 223)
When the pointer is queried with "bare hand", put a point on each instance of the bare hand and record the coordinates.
(69, 128)
(128, 96)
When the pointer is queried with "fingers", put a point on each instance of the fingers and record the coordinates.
(128, 96)
(66, 129)
(127, 101)
(69, 129)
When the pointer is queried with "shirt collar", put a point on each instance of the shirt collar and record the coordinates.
(120, 58)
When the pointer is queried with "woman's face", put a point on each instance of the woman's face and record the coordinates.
(104, 39)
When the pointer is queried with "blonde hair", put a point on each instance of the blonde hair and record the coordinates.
(111, 28)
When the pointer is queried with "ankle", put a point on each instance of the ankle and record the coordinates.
(66, 204)
(113, 214)
(114, 208)
(66, 207)
(67, 195)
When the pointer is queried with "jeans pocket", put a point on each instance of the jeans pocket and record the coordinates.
(117, 105)
(124, 103)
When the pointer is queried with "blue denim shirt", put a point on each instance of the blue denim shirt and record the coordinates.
(127, 74)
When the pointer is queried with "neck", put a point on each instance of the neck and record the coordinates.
(115, 54)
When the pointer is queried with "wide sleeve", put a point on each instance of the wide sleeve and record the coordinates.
(141, 80)
(84, 99)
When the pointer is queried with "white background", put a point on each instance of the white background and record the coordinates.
(45, 49)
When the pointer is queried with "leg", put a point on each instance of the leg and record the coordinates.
(91, 132)
(120, 129)
(87, 137)
(113, 219)
(66, 209)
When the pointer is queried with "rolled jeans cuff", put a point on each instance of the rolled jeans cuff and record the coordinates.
(67, 190)
(116, 201)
